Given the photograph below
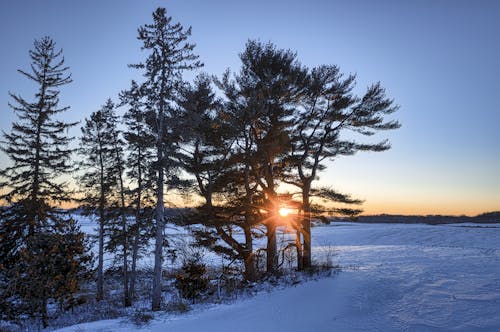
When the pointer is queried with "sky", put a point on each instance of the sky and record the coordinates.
(439, 60)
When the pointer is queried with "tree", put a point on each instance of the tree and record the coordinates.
(265, 91)
(169, 56)
(99, 179)
(42, 252)
(291, 120)
(119, 232)
(191, 281)
(140, 143)
(326, 111)
(207, 153)
(207, 138)
(37, 144)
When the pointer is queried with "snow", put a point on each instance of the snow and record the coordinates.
(395, 278)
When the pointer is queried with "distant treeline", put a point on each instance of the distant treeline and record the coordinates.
(486, 218)
(483, 218)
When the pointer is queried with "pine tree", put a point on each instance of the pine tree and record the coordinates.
(268, 85)
(118, 228)
(99, 179)
(169, 56)
(327, 109)
(191, 281)
(42, 252)
(207, 152)
(207, 138)
(140, 144)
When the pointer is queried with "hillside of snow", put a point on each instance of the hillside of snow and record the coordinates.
(395, 277)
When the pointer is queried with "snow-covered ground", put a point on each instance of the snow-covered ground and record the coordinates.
(395, 278)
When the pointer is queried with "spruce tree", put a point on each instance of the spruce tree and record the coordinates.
(169, 55)
(37, 144)
(36, 259)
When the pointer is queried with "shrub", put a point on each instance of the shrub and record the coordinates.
(177, 306)
(191, 281)
(141, 318)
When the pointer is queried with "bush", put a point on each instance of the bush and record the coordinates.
(141, 318)
(191, 281)
(177, 306)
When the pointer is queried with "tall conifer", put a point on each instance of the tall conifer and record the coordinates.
(42, 251)
(140, 143)
(325, 113)
(169, 55)
(99, 178)
(263, 95)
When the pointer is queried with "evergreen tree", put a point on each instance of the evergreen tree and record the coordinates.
(99, 179)
(207, 153)
(325, 111)
(42, 252)
(191, 281)
(38, 143)
(169, 56)
(118, 212)
(207, 138)
(140, 142)
(264, 94)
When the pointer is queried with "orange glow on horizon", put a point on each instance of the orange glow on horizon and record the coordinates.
(454, 206)
(376, 208)
(423, 208)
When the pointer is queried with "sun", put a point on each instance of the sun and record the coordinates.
(284, 211)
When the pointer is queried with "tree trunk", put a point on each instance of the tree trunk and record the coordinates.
(133, 271)
(44, 315)
(249, 257)
(249, 273)
(298, 246)
(306, 228)
(38, 147)
(208, 195)
(100, 263)
(135, 245)
(137, 231)
(126, 295)
(160, 215)
(36, 171)
(272, 254)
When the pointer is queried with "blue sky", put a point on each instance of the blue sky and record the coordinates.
(440, 60)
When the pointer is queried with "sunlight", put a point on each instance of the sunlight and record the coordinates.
(284, 212)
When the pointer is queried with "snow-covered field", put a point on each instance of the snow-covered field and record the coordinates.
(395, 278)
